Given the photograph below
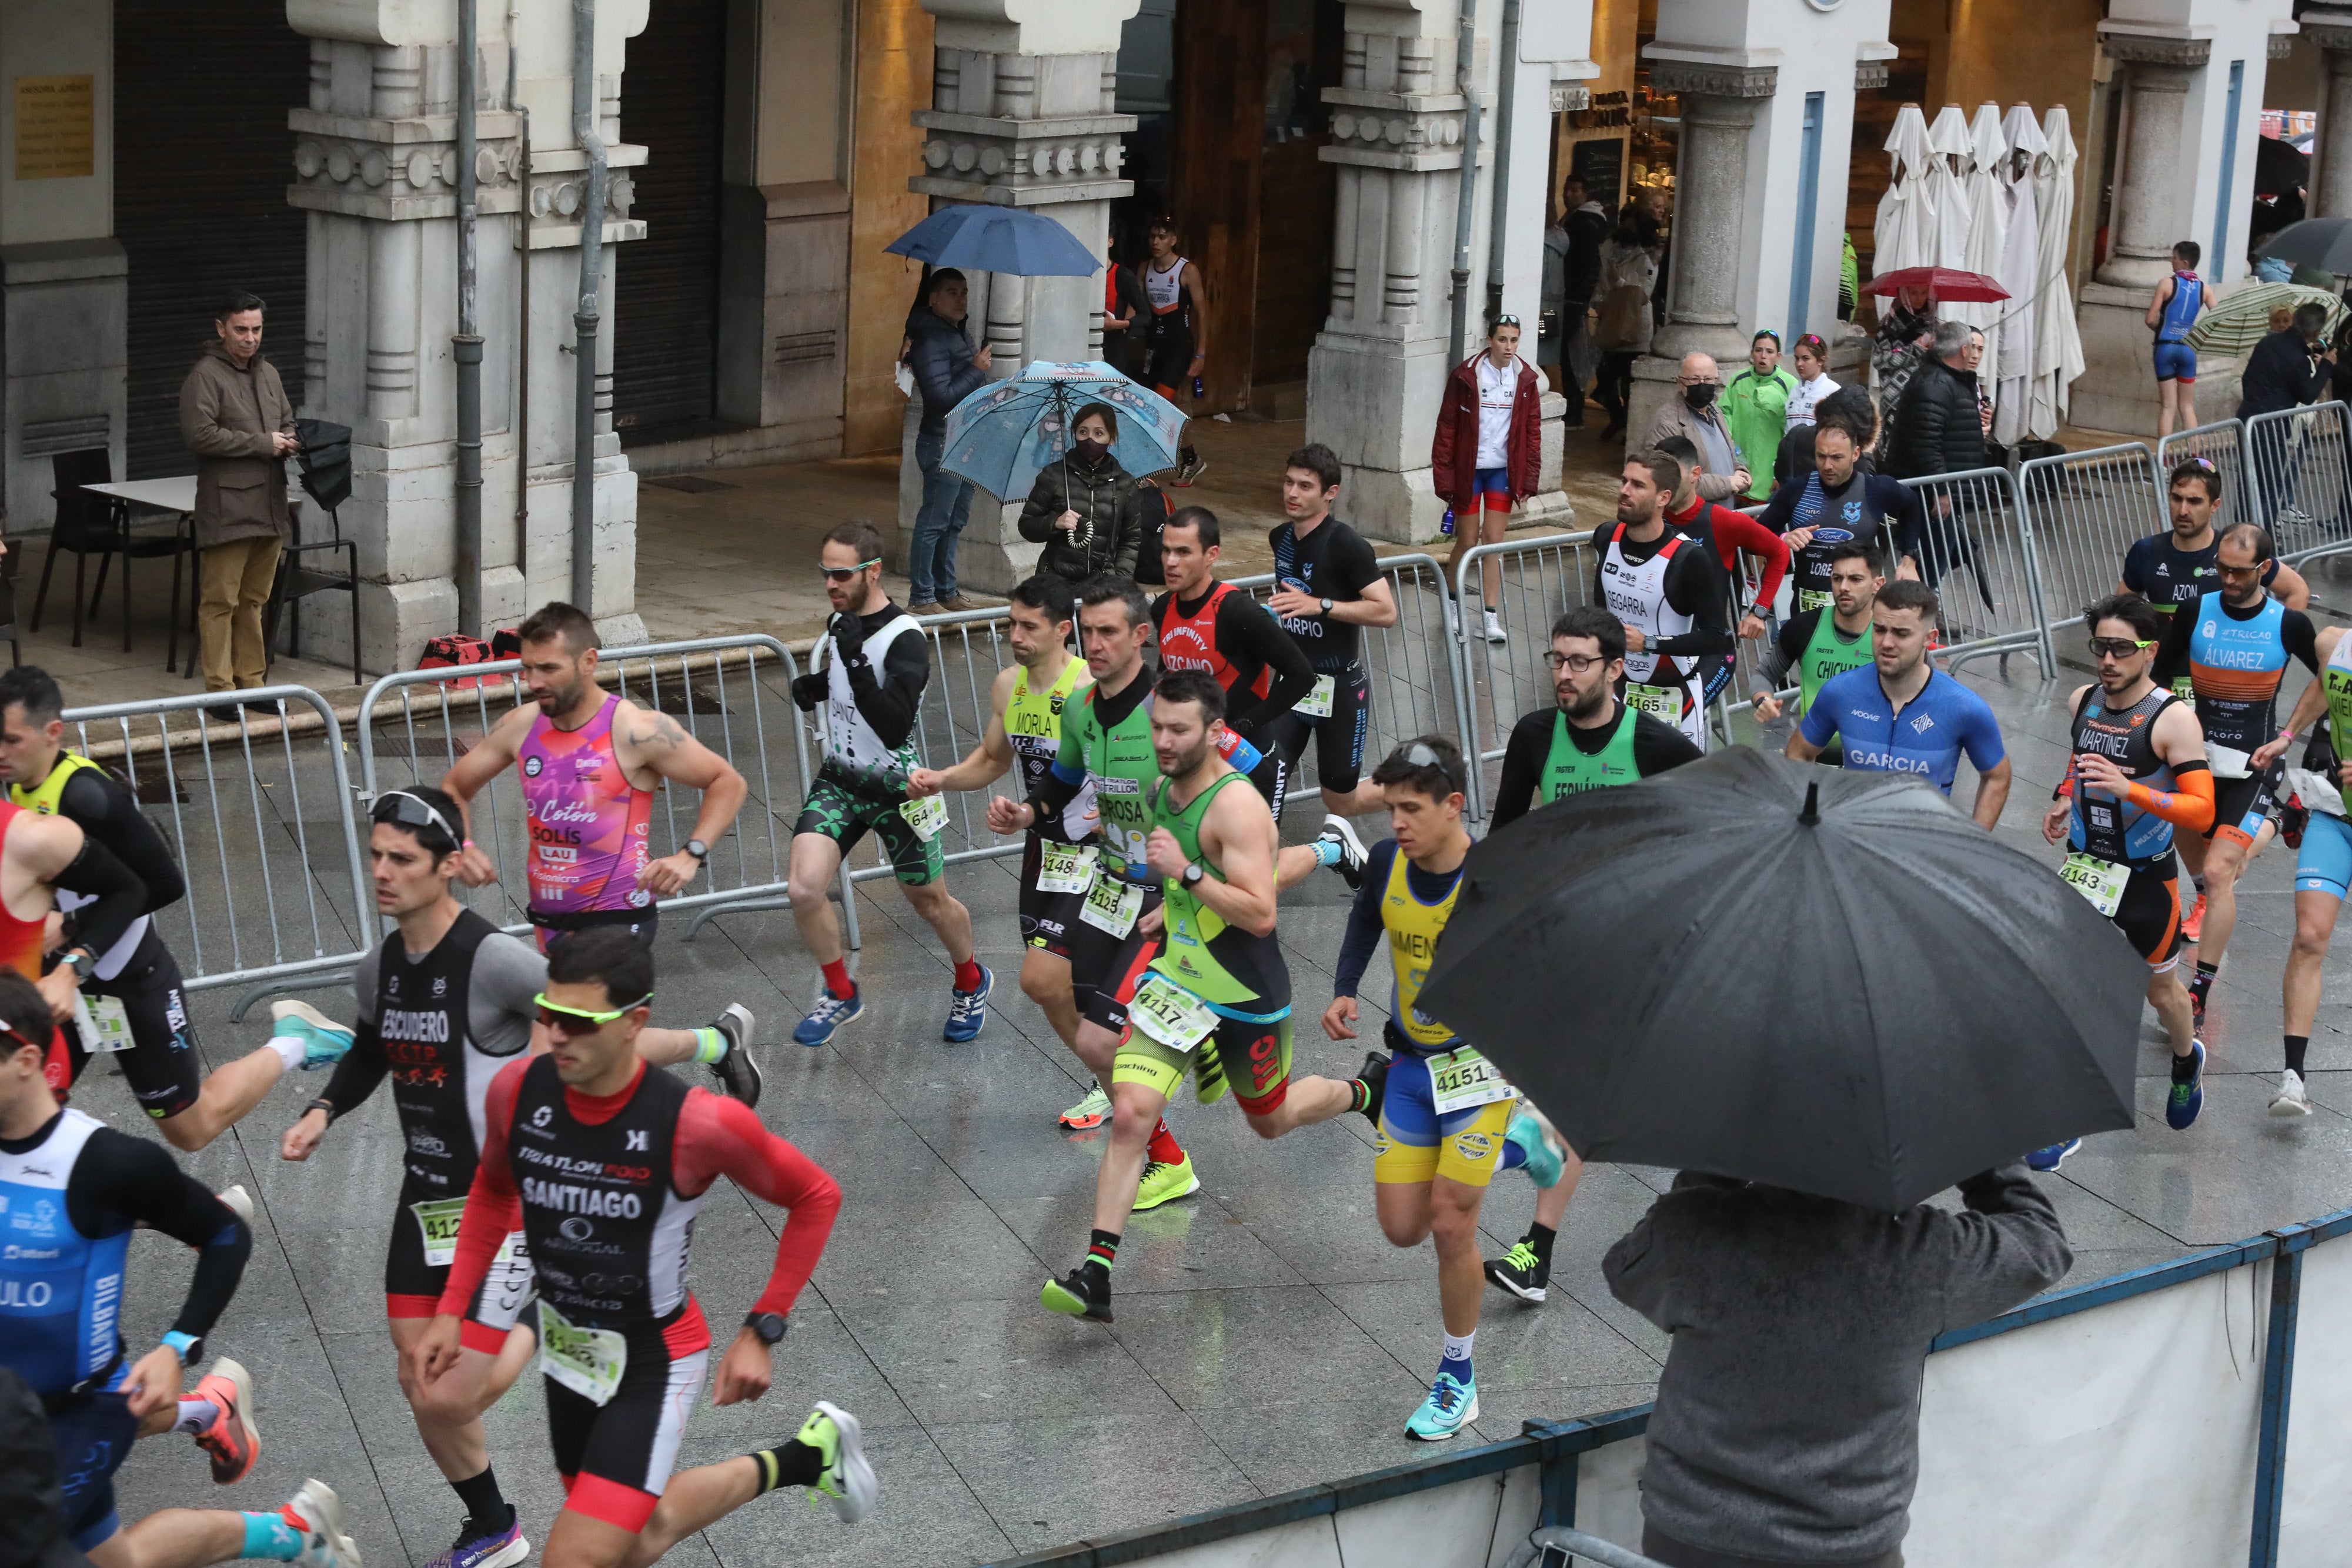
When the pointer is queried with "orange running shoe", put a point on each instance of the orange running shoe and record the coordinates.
(2192, 925)
(232, 1441)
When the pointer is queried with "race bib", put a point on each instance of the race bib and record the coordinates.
(1316, 703)
(589, 1362)
(1065, 868)
(1659, 702)
(104, 1023)
(439, 1220)
(2185, 688)
(1815, 599)
(1462, 1079)
(927, 814)
(1112, 906)
(2101, 882)
(1171, 1014)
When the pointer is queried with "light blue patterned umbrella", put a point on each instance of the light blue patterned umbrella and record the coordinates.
(1002, 435)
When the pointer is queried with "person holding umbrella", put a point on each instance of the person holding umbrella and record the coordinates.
(947, 370)
(1085, 509)
(2171, 315)
(2138, 774)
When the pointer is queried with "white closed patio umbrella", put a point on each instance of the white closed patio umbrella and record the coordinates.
(1987, 231)
(2057, 342)
(2021, 262)
(1948, 190)
(1905, 233)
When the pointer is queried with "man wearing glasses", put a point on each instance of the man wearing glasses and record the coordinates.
(867, 685)
(2137, 774)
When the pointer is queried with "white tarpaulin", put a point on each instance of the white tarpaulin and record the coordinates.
(2312, 1530)
(2057, 343)
(1987, 231)
(1946, 185)
(1905, 233)
(2021, 259)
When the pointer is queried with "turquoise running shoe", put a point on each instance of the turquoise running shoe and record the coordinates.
(324, 1042)
(1543, 1162)
(1451, 1406)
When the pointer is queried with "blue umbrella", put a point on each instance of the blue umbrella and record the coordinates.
(1003, 434)
(1011, 240)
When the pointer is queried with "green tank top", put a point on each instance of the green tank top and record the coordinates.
(2337, 675)
(1119, 761)
(1827, 654)
(1235, 973)
(1568, 771)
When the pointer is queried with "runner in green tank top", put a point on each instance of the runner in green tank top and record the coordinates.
(1586, 739)
(1825, 642)
(1222, 980)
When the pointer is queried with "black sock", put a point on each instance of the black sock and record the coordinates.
(1102, 1251)
(2184, 1068)
(794, 1465)
(1540, 1238)
(484, 1504)
(1186, 455)
(2296, 1044)
(2203, 979)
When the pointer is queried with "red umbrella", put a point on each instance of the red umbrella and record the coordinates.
(1947, 284)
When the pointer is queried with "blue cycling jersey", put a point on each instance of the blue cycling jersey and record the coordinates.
(60, 1292)
(1925, 736)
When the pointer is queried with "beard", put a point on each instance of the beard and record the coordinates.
(1183, 763)
(1588, 706)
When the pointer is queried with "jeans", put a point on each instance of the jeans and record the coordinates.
(947, 506)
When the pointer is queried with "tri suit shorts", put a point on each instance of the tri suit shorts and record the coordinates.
(161, 1065)
(1169, 355)
(1105, 969)
(548, 930)
(1253, 1052)
(91, 1435)
(1339, 739)
(1416, 1143)
(839, 808)
(2150, 914)
(2175, 361)
(615, 1457)
(2324, 864)
(1048, 920)
(2241, 806)
(412, 1286)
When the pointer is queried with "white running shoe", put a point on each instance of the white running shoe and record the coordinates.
(1495, 628)
(239, 1201)
(2292, 1099)
(317, 1513)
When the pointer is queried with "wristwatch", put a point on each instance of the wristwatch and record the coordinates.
(188, 1347)
(1192, 874)
(1327, 607)
(768, 1326)
(81, 960)
(698, 849)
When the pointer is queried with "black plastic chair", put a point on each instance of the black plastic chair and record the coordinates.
(88, 525)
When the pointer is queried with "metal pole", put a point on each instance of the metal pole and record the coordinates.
(522, 268)
(584, 319)
(465, 346)
(1465, 53)
(1506, 82)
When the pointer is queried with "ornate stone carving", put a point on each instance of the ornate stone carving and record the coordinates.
(1714, 82)
(2140, 49)
(397, 169)
(1568, 98)
(1026, 163)
(1869, 76)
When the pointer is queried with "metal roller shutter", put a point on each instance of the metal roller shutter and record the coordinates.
(201, 165)
(666, 327)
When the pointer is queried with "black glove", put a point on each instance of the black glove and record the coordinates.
(848, 637)
(809, 690)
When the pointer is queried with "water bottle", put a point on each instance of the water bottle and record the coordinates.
(1197, 391)
(1446, 528)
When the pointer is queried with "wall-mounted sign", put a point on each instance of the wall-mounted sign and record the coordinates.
(56, 128)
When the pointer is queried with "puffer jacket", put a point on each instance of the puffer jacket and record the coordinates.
(1103, 495)
(1935, 429)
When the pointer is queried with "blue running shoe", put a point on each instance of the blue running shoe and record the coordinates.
(324, 1042)
(1451, 1406)
(2055, 1156)
(479, 1548)
(1543, 1162)
(829, 1014)
(2185, 1100)
(967, 1011)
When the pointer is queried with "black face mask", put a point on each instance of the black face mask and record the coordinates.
(1092, 450)
(1699, 396)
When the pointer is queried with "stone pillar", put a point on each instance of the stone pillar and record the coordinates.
(375, 166)
(2330, 27)
(2147, 216)
(1022, 115)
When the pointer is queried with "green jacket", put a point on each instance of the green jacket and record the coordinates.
(1756, 410)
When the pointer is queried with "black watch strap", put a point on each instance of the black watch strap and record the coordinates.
(768, 1326)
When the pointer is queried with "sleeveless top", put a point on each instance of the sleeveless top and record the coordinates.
(1190, 642)
(588, 823)
(2181, 310)
(2102, 824)
(1637, 596)
(440, 1077)
(1412, 927)
(1569, 771)
(60, 1292)
(851, 747)
(1165, 290)
(1033, 725)
(1238, 974)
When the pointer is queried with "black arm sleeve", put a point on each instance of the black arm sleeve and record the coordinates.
(108, 813)
(121, 1180)
(1779, 513)
(358, 1073)
(891, 703)
(1788, 647)
(1363, 935)
(1248, 635)
(1696, 586)
(2301, 639)
(1523, 761)
(2172, 648)
(1659, 747)
(118, 896)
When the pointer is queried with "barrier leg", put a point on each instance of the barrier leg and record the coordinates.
(848, 906)
(1558, 1478)
(2278, 1387)
(710, 911)
(286, 987)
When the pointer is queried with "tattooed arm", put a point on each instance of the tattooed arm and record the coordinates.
(650, 744)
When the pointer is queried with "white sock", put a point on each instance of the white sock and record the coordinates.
(1457, 1346)
(289, 1051)
(196, 1415)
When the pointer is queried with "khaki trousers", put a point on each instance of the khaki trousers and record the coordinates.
(236, 578)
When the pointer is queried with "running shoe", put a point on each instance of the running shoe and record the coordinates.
(1076, 1295)
(2292, 1099)
(1351, 866)
(2192, 925)
(478, 1546)
(241, 1202)
(1375, 1076)
(2050, 1157)
(1208, 1072)
(232, 1442)
(323, 1041)
(1451, 1406)
(1165, 1183)
(1495, 629)
(1520, 1272)
(736, 1071)
(1189, 474)
(1091, 1112)
(1543, 1164)
(968, 1011)
(317, 1513)
(846, 1478)
(829, 1014)
(2186, 1098)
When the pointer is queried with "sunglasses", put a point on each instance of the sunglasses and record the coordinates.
(1765, 333)
(2116, 647)
(1507, 321)
(400, 806)
(843, 573)
(570, 1021)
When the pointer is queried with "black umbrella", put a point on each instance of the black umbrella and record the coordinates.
(1868, 1000)
(2280, 167)
(2323, 244)
(325, 461)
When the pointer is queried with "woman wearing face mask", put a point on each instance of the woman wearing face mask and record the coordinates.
(1084, 508)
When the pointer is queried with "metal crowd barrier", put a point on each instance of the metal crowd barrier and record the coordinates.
(1979, 555)
(2084, 510)
(1541, 579)
(2302, 465)
(2223, 444)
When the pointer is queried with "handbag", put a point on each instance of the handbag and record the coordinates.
(1625, 310)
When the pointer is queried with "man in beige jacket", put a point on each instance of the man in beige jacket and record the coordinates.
(234, 416)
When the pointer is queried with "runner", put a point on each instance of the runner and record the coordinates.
(589, 761)
(133, 995)
(2322, 866)
(1177, 343)
(1327, 585)
(1586, 740)
(1729, 534)
(1026, 703)
(440, 1013)
(1899, 714)
(2138, 773)
(1106, 750)
(1836, 504)
(872, 665)
(2170, 314)
(1219, 975)
(73, 1189)
(2233, 647)
(1670, 593)
(1825, 641)
(2181, 564)
(1448, 1121)
(607, 1160)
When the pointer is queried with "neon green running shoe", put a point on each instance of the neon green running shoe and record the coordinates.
(848, 1479)
(1520, 1272)
(1164, 1183)
(1091, 1112)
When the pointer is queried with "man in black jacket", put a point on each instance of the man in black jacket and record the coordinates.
(946, 370)
(1937, 429)
(2287, 369)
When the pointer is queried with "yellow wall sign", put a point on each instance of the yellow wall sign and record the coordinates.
(56, 128)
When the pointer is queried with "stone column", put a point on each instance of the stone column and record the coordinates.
(1022, 115)
(376, 165)
(2147, 218)
(2330, 27)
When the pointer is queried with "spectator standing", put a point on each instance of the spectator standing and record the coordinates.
(2290, 368)
(1811, 357)
(234, 416)
(1586, 227)
(1787, 1427)
(1487, 452)
(1695, 412)
(1629, 273)
(1904, 338)
(947, 370)
(1756, 410)
(2170, 314)
(1084, 507)
(1937, 427)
